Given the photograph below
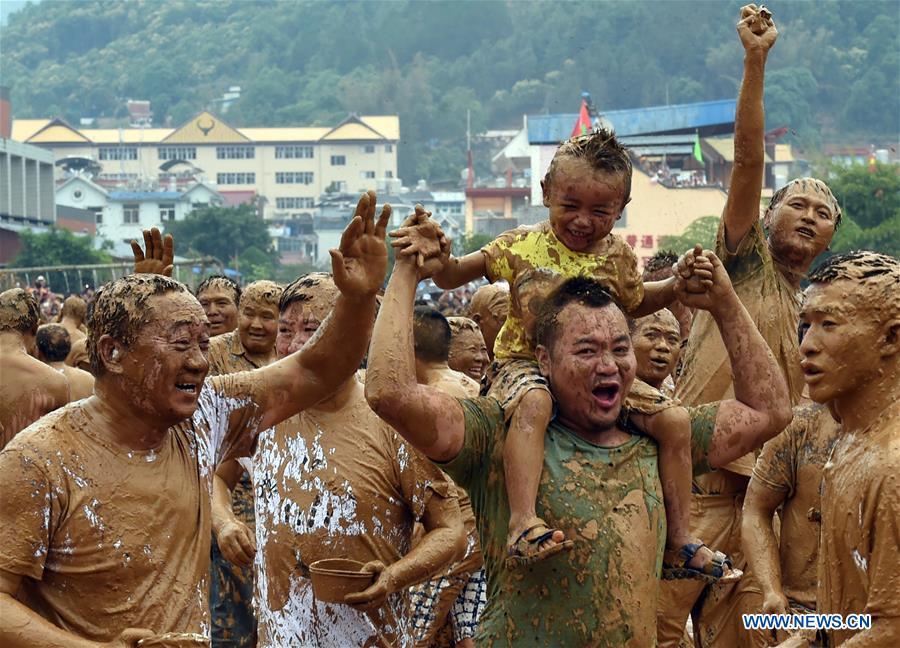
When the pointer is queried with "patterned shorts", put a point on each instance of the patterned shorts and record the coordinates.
(428, 599)
(512, 380)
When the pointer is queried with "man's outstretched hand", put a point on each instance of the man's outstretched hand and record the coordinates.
(159, 256)
(703, 282)
(756, 29)
(422, 242)
(359, 264)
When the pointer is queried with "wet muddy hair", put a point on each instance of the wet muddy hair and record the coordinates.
(222, 282)
(819, 186)
(53, 342)
(581, 290)
(307, 287)
(462, 324)
(263, 291)
(493, 298)
(431, 334)
(877, 274)
(19, 311)
(662, 260)
(601, 150)
(119, 309)
(74, 306)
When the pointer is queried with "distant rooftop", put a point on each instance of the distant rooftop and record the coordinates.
(707, 117)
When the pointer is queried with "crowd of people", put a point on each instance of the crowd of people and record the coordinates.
(572, 453)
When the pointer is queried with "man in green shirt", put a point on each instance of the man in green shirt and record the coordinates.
(600, 482)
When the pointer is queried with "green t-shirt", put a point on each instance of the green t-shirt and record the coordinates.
(608, 500)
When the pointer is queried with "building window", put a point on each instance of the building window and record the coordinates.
(292, 152)
(369, 148)
(177, 152)
(366, 175)
(388, 148)
(235, 152)
(118, 153)
(388, 174)
(131, 214)
(166, 212)
(338, 160)
(294, 203)
(98, 214)
(293, 177)
(235, 178)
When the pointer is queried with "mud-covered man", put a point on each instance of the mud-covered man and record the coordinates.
(599, 483)
(336, 482)
(28, 388)
(850, 324)
(53, 347)
(250, 346)
(105, 515)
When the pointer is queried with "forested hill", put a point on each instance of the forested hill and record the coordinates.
(835, 70)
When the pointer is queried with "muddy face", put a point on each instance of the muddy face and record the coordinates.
(584, 204)
(840, 345)
(218, 304)
(257, 325)
(490, 315)
(801, 225)
(657, 345)
(163, 371)
(590, 366)
(296, 325)
(468, 353)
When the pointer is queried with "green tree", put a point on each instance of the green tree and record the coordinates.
(870, 202)
(58, 247)
(702, 231)
(224, 233)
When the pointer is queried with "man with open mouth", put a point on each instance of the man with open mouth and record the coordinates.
(105, 514)
(599, 483)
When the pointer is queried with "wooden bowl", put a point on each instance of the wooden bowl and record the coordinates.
(335, 578)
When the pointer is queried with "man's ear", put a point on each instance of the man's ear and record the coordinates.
(543, 358)
(891, 332)
(545, 190)
(111, 354)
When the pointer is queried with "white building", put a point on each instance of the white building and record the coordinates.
(288, 168)
(123, 215)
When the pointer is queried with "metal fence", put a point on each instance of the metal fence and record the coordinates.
(70, 279)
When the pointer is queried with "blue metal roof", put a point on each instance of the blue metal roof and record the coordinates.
(145, 195)
(553, 129)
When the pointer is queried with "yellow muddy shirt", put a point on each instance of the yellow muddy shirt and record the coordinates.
(774, 306)
(608, 500)
(534, 262)
(792, 464)
(859, 564)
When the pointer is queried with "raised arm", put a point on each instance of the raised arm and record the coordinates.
(334, 353)
(758, 34)
(428, 418)
(760, 545)
(761, 406)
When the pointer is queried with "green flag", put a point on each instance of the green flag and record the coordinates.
(698, 154)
